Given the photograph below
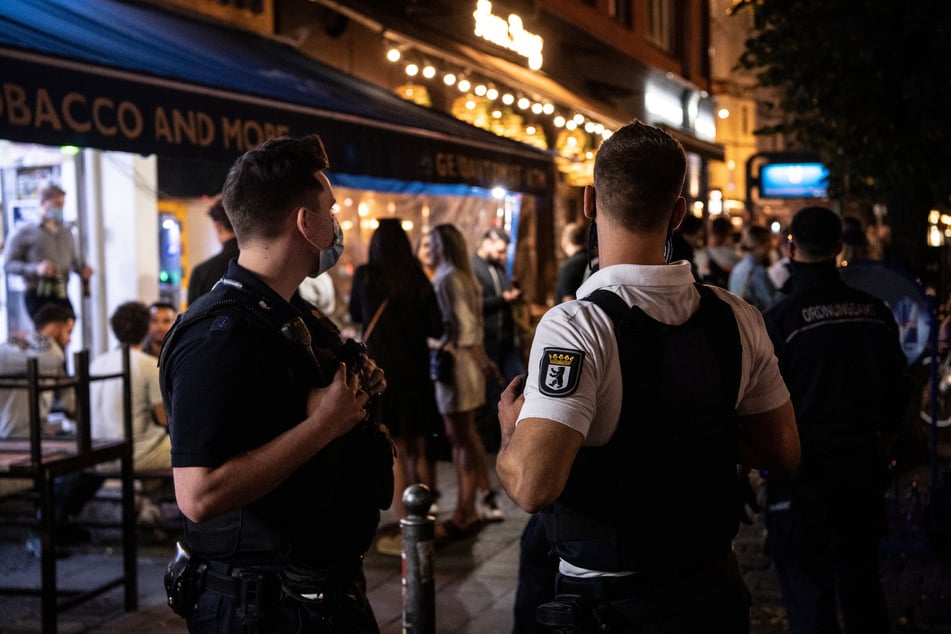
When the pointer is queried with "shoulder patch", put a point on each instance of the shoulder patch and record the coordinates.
(221, 323)
(559, 371)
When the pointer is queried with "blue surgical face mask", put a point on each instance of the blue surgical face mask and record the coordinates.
(329, 255)
(55, 214)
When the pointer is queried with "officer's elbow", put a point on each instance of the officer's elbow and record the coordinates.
(193, 500)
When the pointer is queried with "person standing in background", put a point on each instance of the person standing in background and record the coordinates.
(44, 254)
(395, 304)
(749, 278)
(161, 317)
(205, 274)
(458, 294)
(574, 269)
(840, 354)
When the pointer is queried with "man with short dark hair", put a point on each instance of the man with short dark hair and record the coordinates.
(573, 270)
(161, 317)
(279, 472)
(205, 274)
(150, 444)
(44, 254)
(641, 398)
(840, 354)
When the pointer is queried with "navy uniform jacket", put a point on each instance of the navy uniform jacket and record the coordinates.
(840, 355)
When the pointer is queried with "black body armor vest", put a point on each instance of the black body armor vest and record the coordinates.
(659, 495)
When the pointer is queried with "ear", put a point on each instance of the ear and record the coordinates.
(301, 220)
(589, 202)
(680, 210)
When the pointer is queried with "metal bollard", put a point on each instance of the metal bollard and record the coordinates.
(419, 586)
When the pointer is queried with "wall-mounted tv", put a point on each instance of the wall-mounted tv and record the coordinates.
(793, 180)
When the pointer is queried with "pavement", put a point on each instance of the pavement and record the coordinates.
(475, 578)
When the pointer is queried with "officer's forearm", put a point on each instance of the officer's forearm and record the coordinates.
(770, 440)
(204, 493)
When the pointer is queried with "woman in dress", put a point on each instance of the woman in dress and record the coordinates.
(460, 302)
(398, 343)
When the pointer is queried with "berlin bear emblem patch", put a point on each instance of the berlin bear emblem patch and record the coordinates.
(559, 371)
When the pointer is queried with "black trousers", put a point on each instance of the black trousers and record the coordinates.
(712, 600)
(348, 612)
(537, 569)
(824, 545)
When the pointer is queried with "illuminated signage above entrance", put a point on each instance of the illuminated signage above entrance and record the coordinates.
(510, 34)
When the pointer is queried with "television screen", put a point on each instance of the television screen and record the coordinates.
(793, 180)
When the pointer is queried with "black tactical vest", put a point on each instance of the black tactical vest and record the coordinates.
(351, 477)
(659, 494)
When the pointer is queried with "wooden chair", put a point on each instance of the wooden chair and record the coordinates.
(43, 459)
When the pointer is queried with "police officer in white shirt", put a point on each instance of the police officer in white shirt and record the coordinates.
(642, 396)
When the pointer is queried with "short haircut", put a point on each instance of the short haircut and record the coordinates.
(638, 176)
(496, 233)
(817, 232)
(754, 236)
(269, 182)
(218, 214)
(52, 313)
(130, 322)
(690, 224)
(50, 192)
(574, 233)
(160, 304)
(721, 227)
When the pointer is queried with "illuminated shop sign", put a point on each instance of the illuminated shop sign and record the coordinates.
(509, 34)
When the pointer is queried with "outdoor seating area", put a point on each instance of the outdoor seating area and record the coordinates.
(38, 462)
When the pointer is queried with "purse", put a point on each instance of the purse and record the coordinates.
(440, 364)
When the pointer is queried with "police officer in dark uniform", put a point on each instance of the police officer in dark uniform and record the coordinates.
(840, 354)
(280, 472)
(641, 398)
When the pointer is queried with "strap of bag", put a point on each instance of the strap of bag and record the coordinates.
(376, 318)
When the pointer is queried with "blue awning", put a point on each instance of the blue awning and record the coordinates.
(139, 78)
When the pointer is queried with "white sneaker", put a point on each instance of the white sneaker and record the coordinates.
(489, 508)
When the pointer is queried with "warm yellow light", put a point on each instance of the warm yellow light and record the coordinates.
(559, 121)
(589, 127)
(570, 124)
(412, 70)
(524, 103)
(480, 90)
(346, 225)
(578, 118)
(363, 209)
(470, 104)
(449, 79)
(537, 108)
(464, 85)
(508, 99)
(606, 135)
(429, 72)
(407, 225)
(945, 219)
(530, 129)
(933, 216)
(393, 55)
(496, 114)
(548, 108)
(492, 94)
(723, 113)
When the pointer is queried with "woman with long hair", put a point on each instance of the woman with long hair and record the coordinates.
(460, 302)
(392, 289)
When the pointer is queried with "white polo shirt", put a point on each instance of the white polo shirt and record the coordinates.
(575, 352)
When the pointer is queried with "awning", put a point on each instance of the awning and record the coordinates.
(706, 149)
(138, 78)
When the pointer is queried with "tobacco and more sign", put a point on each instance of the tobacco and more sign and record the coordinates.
(56, 102)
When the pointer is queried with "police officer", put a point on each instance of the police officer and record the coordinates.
(278, 473)
(840, 354)
(641, 398)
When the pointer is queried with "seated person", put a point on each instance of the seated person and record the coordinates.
(53, 327)
(161, 317)
(151, 448)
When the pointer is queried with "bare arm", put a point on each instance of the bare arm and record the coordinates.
(770, 440)
(158, 413)
(535, 458)
(204, 493)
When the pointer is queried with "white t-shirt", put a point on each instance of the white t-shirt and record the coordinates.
(106, 401)
(15, 402)
(576, 346)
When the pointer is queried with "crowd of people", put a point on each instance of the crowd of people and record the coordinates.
(255, 400)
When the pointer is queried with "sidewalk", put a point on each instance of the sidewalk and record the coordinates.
(475, 582)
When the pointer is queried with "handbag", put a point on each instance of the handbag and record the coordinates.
(440, 364)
